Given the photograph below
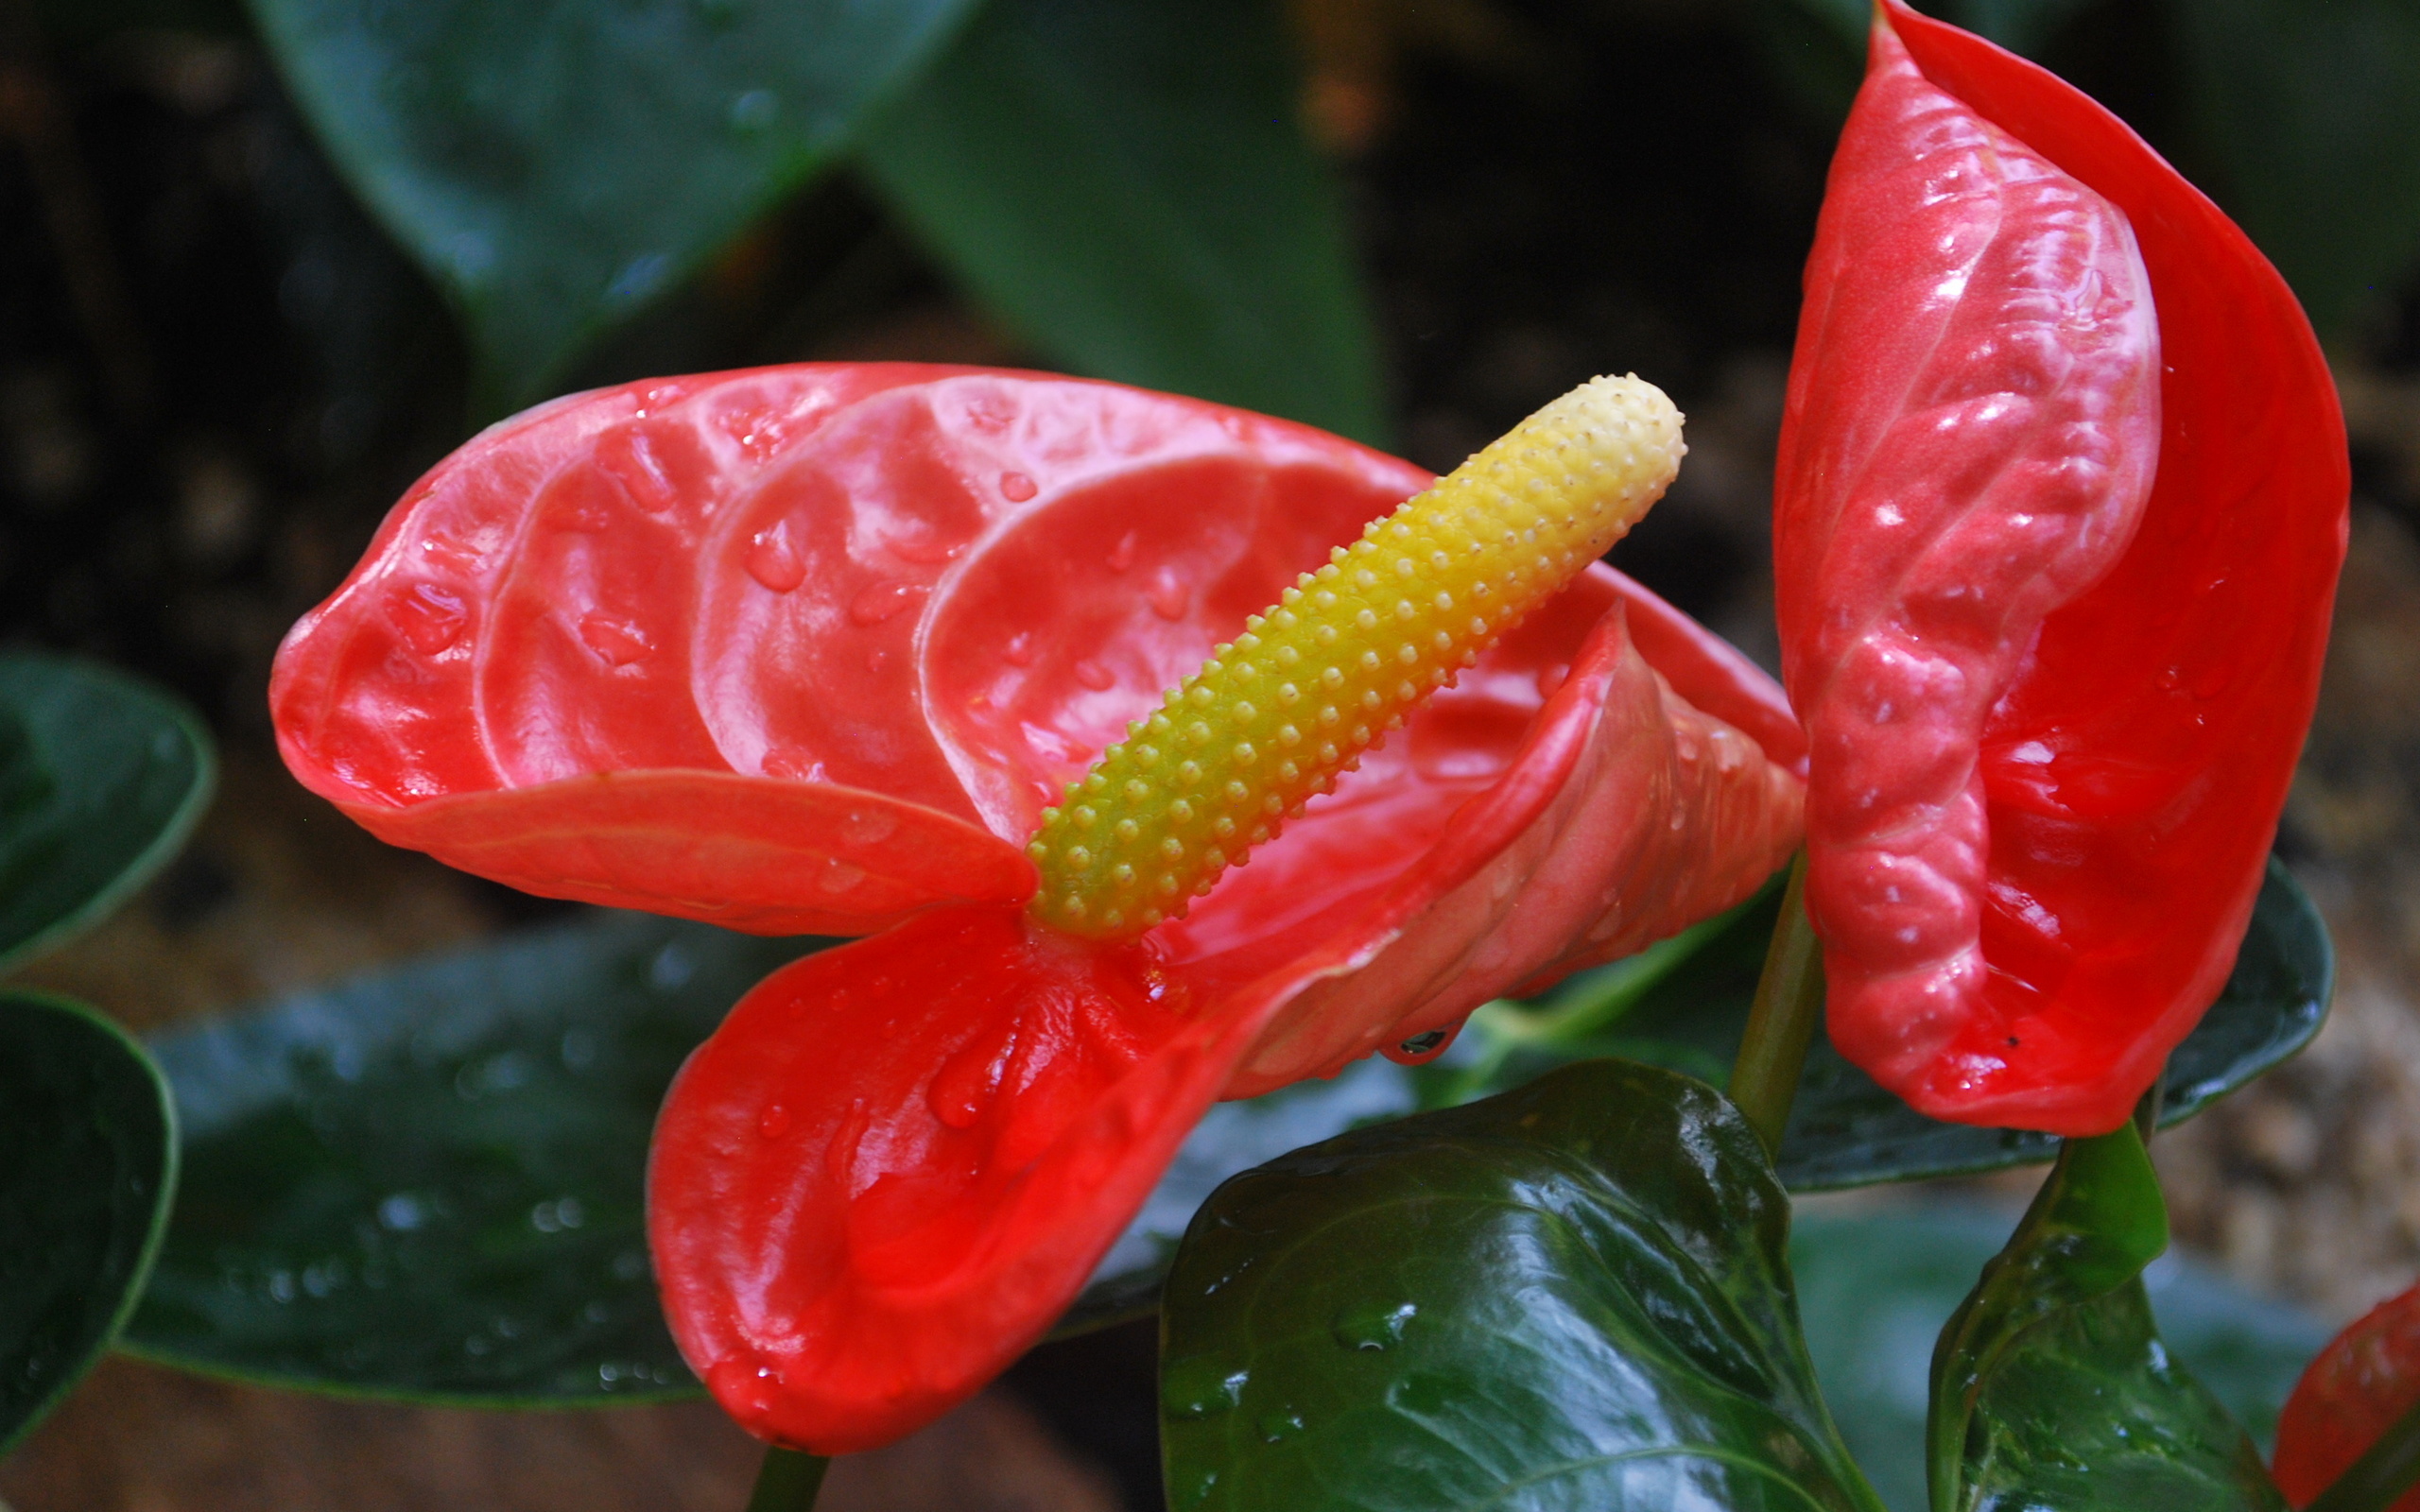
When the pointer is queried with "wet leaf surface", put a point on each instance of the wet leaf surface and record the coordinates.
(1571, 1294)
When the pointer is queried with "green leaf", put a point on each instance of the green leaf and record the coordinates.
(1126, 184)
(554, 166)
(1572, 1294)
(427, 1184)
(101, 779)
(1682, 1005)
(2310, 109)
(91, 1163)
(1875, 1290)
(2051, 1386)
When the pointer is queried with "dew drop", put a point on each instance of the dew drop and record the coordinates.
(773, 1123)
(839, 876)
(880, 600)
(1372, 1325)
(774, 562)
(1550, 677)
(2170, 680)
(1277, 1427)
(616, 642)
(1016, 488)
(868, 826)
(1122, 556)
(428, 617)
(1094, 676)
(1201, 1388)
(1020, 649)
(1169, 598)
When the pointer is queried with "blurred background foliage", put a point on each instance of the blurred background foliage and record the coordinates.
(259, 265)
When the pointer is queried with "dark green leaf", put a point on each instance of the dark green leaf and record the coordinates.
(1126, 183)
(1875, 1290)
(1572, 1294)
(2051, 1386)
(427, 1183)
(90, 1163)
(1682, 1005)
(556, 165)
(2312, 108)
(101, 778)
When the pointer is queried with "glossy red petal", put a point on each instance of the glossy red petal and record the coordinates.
(2350, 1394)
(897, 1162)
(942, 585)
(2032, 884)
(746, 853)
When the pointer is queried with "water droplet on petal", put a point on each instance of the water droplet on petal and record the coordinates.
(1020, 649)
(774, 562)
(616, 642)
(2170, 680)
(1122, 556)
(839, 876)
(1372, 1325)
(429, 618)
(1550, 677)
(878, 601)
(774, 1122)
(1094, 676)
(868, 826)
(1170, 597)
(1016, 488)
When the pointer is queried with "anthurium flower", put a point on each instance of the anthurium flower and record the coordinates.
(841, 649)
(2059, 506)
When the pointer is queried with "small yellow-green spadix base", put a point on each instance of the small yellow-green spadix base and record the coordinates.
(1344, 655)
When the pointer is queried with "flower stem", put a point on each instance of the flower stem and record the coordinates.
(2387, 1469)
(1789, 997)
(788, 1481)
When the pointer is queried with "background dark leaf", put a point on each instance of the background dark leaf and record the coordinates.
(101, 779)
(556, 166)
(2051, 1386)
(427, 1183)
(1572, 1294)
(91, 1162)
(1126, 185)
(2309, 112)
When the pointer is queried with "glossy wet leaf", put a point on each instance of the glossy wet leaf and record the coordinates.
(1873, 1291)
(101, 779)
(88, 1160)
(2310, 112)
(2050, 1385)
(1571, 1294)
(554, 166)
(427, 1183)
(1126, 184)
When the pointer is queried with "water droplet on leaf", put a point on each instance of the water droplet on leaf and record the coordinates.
(1372, 1325)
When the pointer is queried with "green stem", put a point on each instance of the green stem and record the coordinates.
(1790, 999)
(789, 1482)
(2390, 1468)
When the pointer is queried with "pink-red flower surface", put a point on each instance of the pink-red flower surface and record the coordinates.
(808, 650)
(2349, 1395)
(2059, 511)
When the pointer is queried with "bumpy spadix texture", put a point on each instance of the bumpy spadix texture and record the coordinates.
(1345, 655)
